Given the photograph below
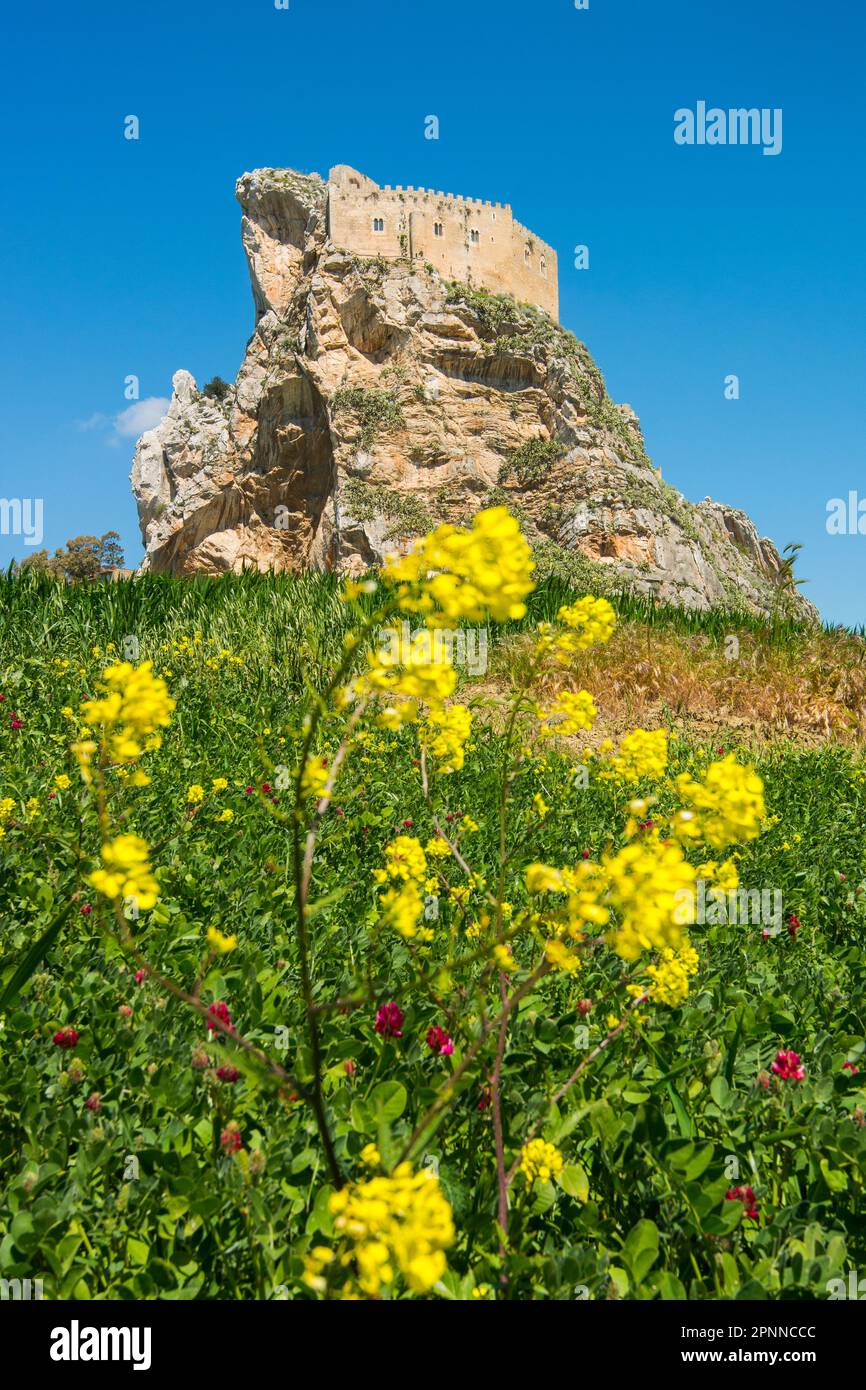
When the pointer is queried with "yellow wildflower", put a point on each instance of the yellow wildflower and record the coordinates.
(126, 872)
(219, 944)
(538, 1159)
(456, 573)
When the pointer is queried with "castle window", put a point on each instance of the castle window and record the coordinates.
(475, 237)
(543, 266)
(526, 254)
(378, 224)
(438, 229)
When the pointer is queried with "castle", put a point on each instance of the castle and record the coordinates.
(475, 242)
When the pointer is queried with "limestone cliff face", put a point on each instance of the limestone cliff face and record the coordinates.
(376, 399)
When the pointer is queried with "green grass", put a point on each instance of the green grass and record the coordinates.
(138, 1200)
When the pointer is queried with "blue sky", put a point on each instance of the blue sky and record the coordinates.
(123, 257)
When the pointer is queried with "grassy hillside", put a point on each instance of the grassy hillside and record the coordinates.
(145, 1153)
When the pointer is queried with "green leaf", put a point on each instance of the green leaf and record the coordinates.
(731, 1054)
(683, 1121)
(835, 1179)
(720, 1091)
(388, 1101)
(641, 1249)
(33, 957)
(574, 1181)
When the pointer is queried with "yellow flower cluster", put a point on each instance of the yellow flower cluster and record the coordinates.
(538, 1159)
(570, 712)
(445, 736)
(671, 975)
(586, 886)
(643, 753)
(401, 909)
(404, 859)
(314, 778)
(219, 944)
(589, 622)
(418, 679)
(133, 703)
(722, 878)
(7, 806)
(560, 957)
(395, 1225)
(456, 573)
(651, 885)
(126, 872)
(593, 619)
(725, 809)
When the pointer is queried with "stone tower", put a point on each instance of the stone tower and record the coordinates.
(475, 242)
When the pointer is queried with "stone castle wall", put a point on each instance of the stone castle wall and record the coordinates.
(466, 239)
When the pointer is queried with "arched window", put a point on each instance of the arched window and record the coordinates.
(438, 229)
(474, 237)
(378, 224)
(526, 254)
(543, 266)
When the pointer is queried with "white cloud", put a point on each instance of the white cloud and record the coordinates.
(97, 421)
(130, 423)
(141, 416)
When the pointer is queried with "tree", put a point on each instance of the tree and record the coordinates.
(40, 562)
(80, 559)
(217, 389)
(83, 557)
(110, 551)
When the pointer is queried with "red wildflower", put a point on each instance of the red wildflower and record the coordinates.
(231, 1139)
(584, 854)
(219, 1012)
(16, 724)
(66, 1037)
(747, 1197)
(794, 925)
(228, 1074)
(125, 1010)
(389, 1020)
(407, 824)
(584, 1007)
(787, 1066)
(486, 1098)
(94, 1102)
(850, 1066)
(350, 1067)
(439, 1041)
(86, 909)
(266, 788)
(139, 976)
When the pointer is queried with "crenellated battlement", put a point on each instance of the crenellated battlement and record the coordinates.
(472, 240)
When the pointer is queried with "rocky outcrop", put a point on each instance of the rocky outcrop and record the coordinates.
(376, 399)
